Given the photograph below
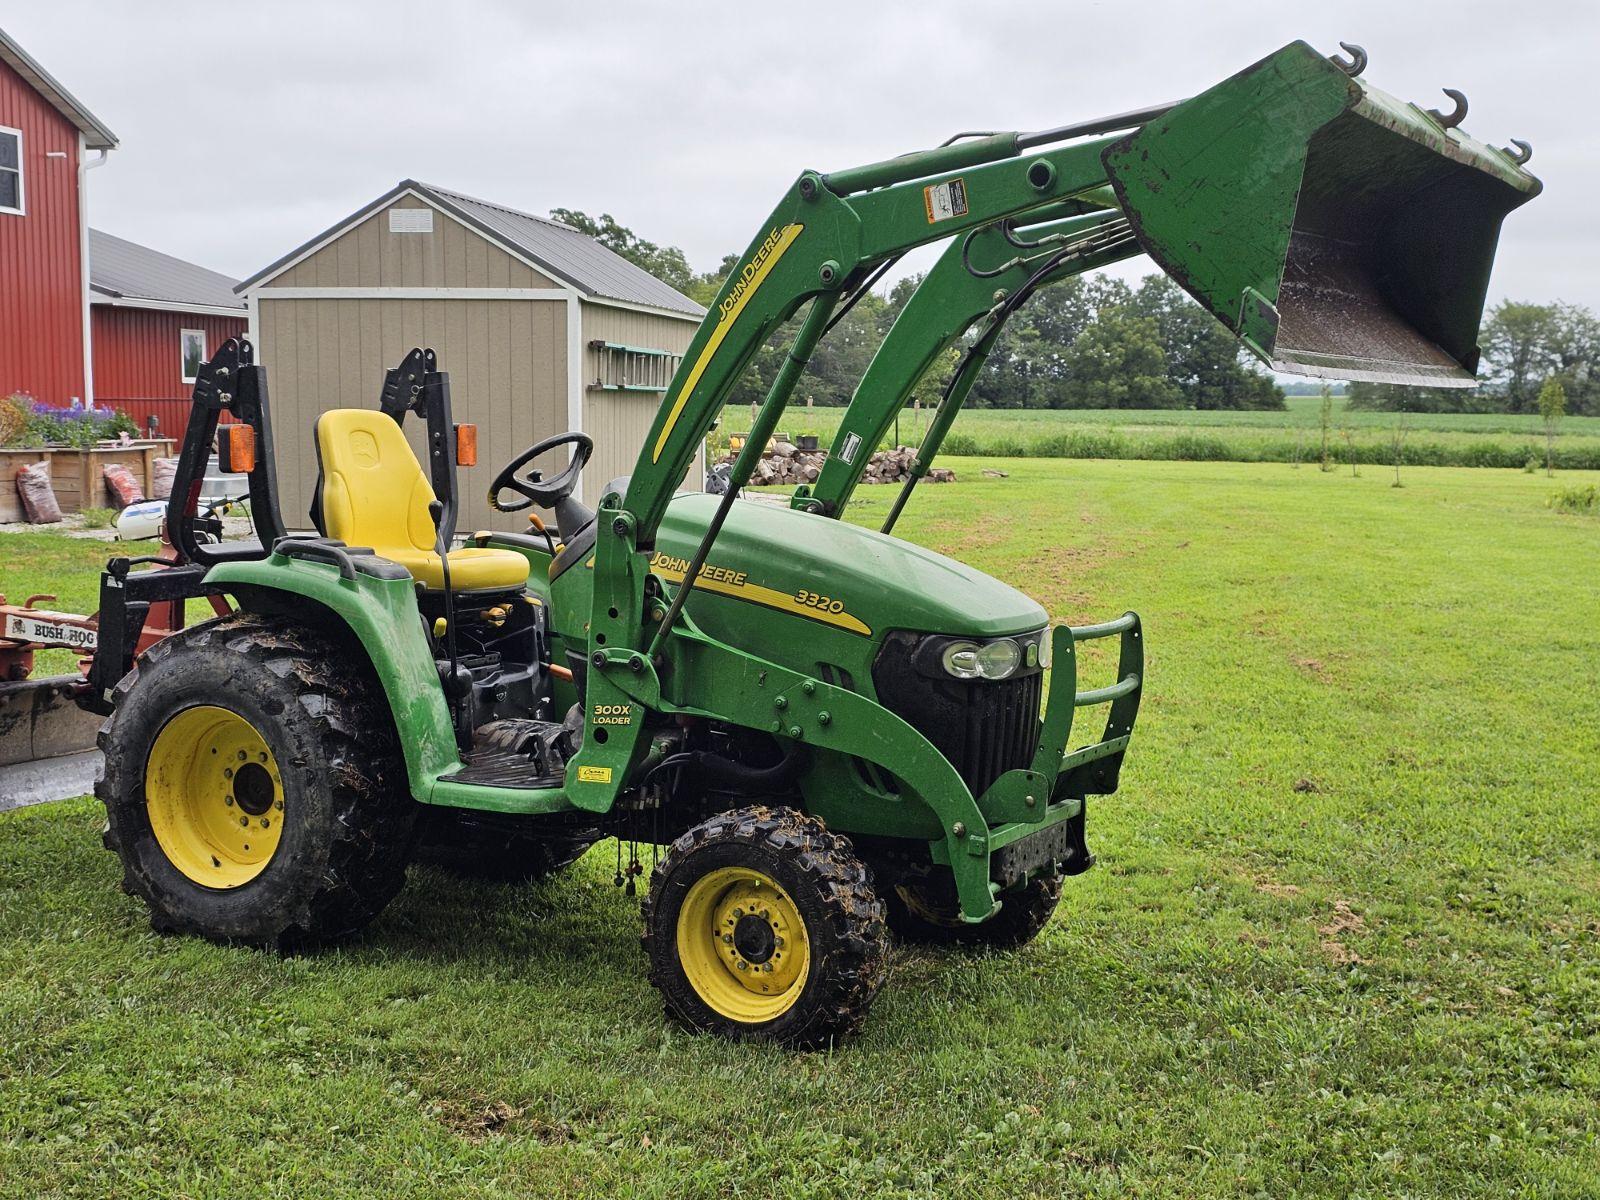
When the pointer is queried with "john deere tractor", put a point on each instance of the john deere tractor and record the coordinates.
(833, 732)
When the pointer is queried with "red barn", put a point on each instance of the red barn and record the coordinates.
(45, 139)
(151, 314)
(154, 320)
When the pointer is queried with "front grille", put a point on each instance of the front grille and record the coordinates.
(985, 729)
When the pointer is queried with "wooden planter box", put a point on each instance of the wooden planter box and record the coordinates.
(78, 476)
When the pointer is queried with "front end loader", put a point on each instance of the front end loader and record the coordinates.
(832, 731)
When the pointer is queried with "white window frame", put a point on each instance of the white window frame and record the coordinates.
(183, 337)
(21, 210)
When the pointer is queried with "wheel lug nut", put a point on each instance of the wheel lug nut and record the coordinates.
(265, 822)
(278, 806)
(743, 966)
(738, 912)
(262, 756)
(228, 800)
(242, 756)
(244, 821)
(227, 772)
(728, 937)
(767, 968)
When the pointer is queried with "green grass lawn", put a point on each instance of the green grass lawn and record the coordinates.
(1439, 439)
(1343, 938)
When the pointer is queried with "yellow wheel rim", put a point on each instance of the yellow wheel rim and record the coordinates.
(743, 945)
(214, 796)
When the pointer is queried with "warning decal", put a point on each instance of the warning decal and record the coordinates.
(852, 443)
(945, 200)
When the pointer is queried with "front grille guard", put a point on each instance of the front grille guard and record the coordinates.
(1053, 786)
(1092, 770)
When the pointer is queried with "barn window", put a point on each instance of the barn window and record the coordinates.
(193, 350)
(633, 368)
(10, 170)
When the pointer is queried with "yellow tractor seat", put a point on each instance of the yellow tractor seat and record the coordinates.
(373, 492)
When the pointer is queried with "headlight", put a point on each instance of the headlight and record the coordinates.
(991, 659)
(961, 660)
(997, 660)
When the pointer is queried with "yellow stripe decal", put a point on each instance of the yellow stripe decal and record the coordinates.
(760, 265)
(770, 597)
(742, 589)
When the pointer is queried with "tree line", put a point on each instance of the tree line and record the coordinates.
(1098, 342)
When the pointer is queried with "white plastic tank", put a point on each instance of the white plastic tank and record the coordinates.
(142, 520)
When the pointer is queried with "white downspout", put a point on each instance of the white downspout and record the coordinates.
(84, 168)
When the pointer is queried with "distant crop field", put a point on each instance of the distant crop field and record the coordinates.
(1343, 937)
(1431, 439)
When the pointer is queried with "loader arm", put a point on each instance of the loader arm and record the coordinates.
(969, 286)
(819, 241)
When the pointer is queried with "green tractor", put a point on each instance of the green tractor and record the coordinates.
(833, 732)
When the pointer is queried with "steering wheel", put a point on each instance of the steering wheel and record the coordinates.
(531, 485)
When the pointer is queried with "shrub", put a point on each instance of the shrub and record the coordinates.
(76, 425)
(1584, 501)
(14, 413)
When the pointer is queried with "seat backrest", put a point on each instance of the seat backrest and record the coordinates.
(372, 490)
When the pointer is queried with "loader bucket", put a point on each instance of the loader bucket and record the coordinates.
(1335, 230)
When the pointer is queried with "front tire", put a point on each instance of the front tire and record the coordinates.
(762, 925)
(254, 788)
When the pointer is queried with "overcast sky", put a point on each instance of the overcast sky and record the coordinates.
(248, 128)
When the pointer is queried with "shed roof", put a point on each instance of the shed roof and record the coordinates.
(124, 270)
(95, 135)
(555, 248)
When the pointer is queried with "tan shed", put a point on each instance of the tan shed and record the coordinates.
(540, 327)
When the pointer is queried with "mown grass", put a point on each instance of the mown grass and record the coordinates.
(1343, 938)
(1507, 440)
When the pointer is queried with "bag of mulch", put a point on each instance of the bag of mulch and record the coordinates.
(162, 472)
(124, 485)
(38, 500)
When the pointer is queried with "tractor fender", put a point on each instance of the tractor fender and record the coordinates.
(381, 614)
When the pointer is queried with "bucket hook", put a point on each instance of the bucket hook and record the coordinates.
(1522, 154)
(1355, 64)
(1452, 119)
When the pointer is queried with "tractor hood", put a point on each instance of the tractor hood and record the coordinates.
(837, 574)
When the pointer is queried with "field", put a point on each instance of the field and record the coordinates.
(1343, 938)
(1506, 440)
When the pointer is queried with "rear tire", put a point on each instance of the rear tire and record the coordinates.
(761, 925)
(304, 838)
(928, 912)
